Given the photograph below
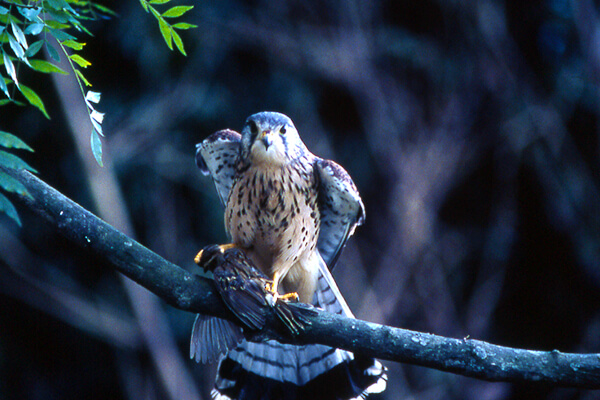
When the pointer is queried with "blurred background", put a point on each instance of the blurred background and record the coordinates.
(470, 128)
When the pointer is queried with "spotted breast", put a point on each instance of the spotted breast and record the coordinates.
(272, 213)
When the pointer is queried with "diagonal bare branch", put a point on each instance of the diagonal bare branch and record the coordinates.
(188, 292)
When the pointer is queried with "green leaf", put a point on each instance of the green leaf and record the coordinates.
(178, 42)
(61, 5)
(31, 13)
(103, 9)
(34, 48)
(34, 29)
(46, 67)
(10, 184)
(166, 32)
(80, 75)
(73, 44)
(7, 207)
(184, 25)
(61, 35)
(53, 53)
(9, 140)
(176, 11)
(158, 1)
(144, 5)
(34, 99)
(10, 68)
(60, 17)
(80, 60)
(19, 35)
(97, 126)
(82, 28)
(3, 86)
(3, 11)
(74, 21)
(56, 25)
(97, 147)
(15, 46)
(9, 160)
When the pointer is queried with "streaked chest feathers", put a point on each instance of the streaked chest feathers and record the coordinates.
(272, 211)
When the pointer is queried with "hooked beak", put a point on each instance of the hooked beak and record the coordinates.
(267, 138)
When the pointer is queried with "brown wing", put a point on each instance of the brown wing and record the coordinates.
(341, 209)
(242, 287)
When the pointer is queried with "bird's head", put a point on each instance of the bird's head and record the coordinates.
(270, 138)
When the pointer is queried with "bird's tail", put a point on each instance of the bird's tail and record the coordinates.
(272, 370)
(212, 337)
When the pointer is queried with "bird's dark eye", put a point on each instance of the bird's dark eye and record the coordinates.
(253, 127)
(282, 130)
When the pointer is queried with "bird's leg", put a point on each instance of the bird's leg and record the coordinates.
(272, 286)
(222, 247)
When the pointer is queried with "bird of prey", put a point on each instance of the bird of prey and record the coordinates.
(291, 212)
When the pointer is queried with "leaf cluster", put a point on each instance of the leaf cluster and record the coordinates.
(25, 29)
(7, 182)
(168, 31)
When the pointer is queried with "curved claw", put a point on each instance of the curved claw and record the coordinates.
(289, 297)
(271, 288)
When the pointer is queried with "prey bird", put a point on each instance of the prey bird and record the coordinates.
(291, 213)
(243, 289)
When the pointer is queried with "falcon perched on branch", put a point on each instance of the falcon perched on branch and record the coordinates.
(292, 213)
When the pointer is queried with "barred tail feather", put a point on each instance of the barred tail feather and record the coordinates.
(272, 370)
(347, 380)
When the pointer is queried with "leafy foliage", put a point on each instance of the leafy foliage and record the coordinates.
(28, 27)
(24, 30)
(7, 182)
(167, 30)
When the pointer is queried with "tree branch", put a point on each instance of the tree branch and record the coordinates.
(179, 288)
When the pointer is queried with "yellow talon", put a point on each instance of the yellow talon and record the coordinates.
(288, 297)
(271, 287)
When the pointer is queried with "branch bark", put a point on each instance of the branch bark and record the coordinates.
(188, 292)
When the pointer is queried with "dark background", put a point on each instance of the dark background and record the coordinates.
(470, 129)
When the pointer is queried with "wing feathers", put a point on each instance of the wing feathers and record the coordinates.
(212, 337)
(341, 209)
(217, 156)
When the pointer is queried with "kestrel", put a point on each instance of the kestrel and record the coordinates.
(291, 212)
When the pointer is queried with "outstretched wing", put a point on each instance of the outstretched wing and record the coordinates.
(216, 156)
(341, 209)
